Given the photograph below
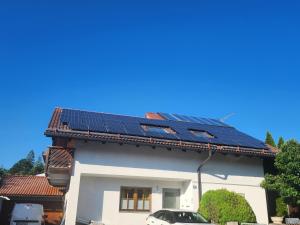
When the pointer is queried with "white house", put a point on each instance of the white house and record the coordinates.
(119, 169)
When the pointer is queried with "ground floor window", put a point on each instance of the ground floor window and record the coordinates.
(135, 199)
(171, 198)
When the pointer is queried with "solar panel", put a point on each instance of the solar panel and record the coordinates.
(182, 125)
(192, 119)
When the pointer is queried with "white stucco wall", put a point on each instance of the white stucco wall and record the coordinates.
(108, 193)
(100, 170)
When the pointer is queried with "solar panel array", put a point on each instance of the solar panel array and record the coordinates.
(127, 125)
(192, 119)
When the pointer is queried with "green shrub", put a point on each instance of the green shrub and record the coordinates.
(223, 206)
(281, 208)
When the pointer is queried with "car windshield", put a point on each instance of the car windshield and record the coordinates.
(188, 217)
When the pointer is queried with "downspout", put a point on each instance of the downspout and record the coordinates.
(210, 154)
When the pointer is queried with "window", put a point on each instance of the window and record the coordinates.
(158, 129)
(135, 199)
(201, 133)
(171, 198)
(188, 217)
(169, 217)
(159, 214)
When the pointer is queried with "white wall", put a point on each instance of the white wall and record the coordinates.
(103, 196)
(128, 163)
(242, 175)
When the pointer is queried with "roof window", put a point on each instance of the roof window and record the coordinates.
(202, 134)
(157, 129)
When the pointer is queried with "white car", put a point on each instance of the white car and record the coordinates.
(175, 217)
(27, 214)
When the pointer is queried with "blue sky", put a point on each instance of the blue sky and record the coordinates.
(205, 58)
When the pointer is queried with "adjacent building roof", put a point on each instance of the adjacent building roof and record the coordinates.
(119, 128)
(28, 186)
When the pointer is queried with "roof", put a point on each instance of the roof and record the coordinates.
(273, 149)
(29, 186)
(58, 157)
(119, 128)
(192, 119)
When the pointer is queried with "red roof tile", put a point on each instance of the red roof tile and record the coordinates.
(28, 186)
(151, 115)
(273, 149)
(54, 122)
(59, 157)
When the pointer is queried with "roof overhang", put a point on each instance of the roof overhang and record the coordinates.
(58, 165)
(173, 144)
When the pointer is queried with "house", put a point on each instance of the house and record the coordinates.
(30, 189)
(118, 169)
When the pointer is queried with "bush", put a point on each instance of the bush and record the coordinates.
(281, 208)
(223, 206)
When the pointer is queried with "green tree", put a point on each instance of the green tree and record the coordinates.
(28, 166)
(280, 142)
(3, 172)
(287, 180)
(281, 207)
(22, 167)
(222, 206)
(269, 139)
(30, 156)
(38, 167)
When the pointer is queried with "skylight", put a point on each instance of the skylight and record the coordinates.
(202, 134)
(157, 129)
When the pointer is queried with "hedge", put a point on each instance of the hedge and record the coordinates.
(223, 206)
(281, 208)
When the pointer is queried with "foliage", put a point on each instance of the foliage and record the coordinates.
(30, 156)
(281, 207)
(269, 139)
(22, 167)
(38, 167)
(3, 172)
(222, 206)
(287, 180)
(280, 142)
(27, 166)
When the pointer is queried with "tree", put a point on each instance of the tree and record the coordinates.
(280, 142)
(30, 156)
(269, 139)
(26, 166)
(222, 206)
(3, 172)
(38, 167)
(22, 167)
(287, 181)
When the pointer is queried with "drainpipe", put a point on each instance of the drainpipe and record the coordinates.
(210, 154)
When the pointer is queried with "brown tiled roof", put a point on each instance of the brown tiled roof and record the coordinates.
(151, 115)
(54, 122)
(59, 157)
(273, 149)
(57, 129)
(28, 186)
(160, 142)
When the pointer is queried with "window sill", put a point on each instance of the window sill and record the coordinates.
(135, 211)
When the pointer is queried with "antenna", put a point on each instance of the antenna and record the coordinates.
(227, 117)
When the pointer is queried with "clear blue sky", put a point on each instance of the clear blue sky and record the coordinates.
(207, 58)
